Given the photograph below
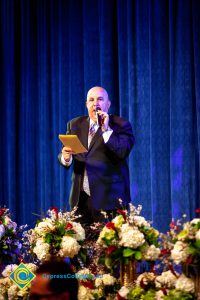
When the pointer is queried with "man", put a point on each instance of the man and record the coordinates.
(54, 280)
(100, 176)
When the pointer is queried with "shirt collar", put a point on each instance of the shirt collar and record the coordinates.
(92, 122)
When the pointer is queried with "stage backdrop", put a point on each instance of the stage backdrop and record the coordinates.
(145, 53)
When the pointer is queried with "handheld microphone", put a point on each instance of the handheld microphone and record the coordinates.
(99, 119)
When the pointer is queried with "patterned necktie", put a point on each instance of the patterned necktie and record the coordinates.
(91, 134)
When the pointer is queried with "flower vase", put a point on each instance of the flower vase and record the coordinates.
(128, 273)
(196, 278)
(193, 271)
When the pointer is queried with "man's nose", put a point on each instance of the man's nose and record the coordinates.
(96, 102)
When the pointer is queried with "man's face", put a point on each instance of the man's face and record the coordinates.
(40, 290)
(97, 97)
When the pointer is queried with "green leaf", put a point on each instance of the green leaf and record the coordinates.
(49, 238)
(108, 262)
(197, 244)
(128, 252)
(138, 255)
(83, 255)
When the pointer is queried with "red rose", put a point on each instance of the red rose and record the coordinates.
(165, 251)
(110, 249)
(198, 210)
(110, 225)
(88, 284)
(68, 226)
(2, 211)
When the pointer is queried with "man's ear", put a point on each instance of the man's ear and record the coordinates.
(109, 104)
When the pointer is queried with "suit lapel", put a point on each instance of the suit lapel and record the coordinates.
(95, 138)
(83, 132)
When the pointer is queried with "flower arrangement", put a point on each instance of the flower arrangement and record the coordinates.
(165, 286)
(8, 289)
(128, 236)
(187, 244)
(56, 235)
(10, 235)
(96, 287)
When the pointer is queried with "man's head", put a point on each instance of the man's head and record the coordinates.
(97, 97)
(50, 282)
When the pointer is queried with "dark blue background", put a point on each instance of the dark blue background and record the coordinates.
(145, 53)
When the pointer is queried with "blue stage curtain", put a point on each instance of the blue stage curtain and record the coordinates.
(145, 53)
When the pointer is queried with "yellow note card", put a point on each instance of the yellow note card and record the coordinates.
(73, 142)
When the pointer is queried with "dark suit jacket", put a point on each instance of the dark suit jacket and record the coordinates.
(106, 164)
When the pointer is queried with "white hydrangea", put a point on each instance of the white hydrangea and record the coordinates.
(23, 293)
(151, 253)
(140, 221)
(108, 279)
(195, 221)
(4, 285)
(80, 232)
(180, 252)
(185, 284)
(86, 293)
(9, 269)
(31, 267)
(123, 292)
(69, 247)
(166, 279)
(44, 227)
(41, 250)
(131, 236)
(12, 292)
(146, 278)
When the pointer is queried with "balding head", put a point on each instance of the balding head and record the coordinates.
(97, 97)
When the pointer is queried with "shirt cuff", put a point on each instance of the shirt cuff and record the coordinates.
(66, 163)
(106, 134)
